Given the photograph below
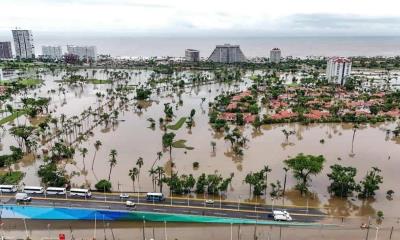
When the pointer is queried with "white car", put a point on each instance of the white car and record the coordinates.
(209, 201)
(130, 204)
(124, 196)
(22, 197)
(281, 215)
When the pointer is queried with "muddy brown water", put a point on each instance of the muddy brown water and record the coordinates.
(133, 138)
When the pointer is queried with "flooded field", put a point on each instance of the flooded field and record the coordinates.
(132, 138)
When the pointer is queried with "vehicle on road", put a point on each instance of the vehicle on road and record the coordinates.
(209, 201)
(280, 215)
(124, 196)
(155, 197)
(130, 204)
(22, 197)
(56, 191)
(80, 192)
(33, 190)
(8, 188)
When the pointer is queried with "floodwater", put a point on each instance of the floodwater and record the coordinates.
(132, 138)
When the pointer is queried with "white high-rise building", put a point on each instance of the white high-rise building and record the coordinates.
(192, 55)
(338, 69)
(275, 55)
(52, 52)
(23, 43)
(83, 52)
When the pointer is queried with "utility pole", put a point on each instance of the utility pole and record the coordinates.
(143, 229)
(369, 222)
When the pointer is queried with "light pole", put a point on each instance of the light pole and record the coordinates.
(376, 233)
(239, 203)
(231, 231)
(273, 201)
(165, 230)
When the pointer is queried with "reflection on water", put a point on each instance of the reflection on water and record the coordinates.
(132, 138)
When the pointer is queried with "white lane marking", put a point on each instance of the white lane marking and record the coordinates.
(227, 205)
(158, 209)
(179, 202)
(250, 216)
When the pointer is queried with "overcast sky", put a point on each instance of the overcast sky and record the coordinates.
(203, 17)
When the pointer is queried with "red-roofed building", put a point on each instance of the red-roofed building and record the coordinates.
(284, 115)
(227, 116)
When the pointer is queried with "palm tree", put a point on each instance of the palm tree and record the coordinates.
(112, 161)
(152, 173)
(133, 173)
(266, 170)
(167, 141)
(83, 151)
(355, 127)
(284, 182)
(160, 171)
(97, 146)
(139, 163)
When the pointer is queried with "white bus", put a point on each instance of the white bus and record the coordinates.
(33, 189)
(155, 197)
(56, 191)
(8, 188)
(80, 192)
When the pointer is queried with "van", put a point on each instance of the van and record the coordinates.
(22, 197)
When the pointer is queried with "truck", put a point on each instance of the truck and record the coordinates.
(22, 197)
(281, 215)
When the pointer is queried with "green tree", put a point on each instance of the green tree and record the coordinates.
(168, 141)
(83, 152)
(303, 167)
(103, 185)
(370, 183)
(342, 180)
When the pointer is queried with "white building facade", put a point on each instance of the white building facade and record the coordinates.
(52, 52)
(192, 55)
(23, 43)
(275, 55)
(338, 69)
(83, 52)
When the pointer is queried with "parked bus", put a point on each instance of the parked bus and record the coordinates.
(155, 197)
(80, 192)
(8, 188)
(56, 191)
(33, 189)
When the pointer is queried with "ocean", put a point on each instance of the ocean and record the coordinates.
(251, 46)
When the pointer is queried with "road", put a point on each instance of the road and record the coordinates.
(191, 206)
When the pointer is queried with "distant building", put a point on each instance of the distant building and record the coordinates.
(227, 54)
(83, 52)
(192, 55)
(275, 55)
(5, 50)
(52, 52)
(338, 70)
(23, 43)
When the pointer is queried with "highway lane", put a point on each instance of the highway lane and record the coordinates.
(177, 205)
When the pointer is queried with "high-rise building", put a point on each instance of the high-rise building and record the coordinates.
(192, 55)
(227, 54)
(5, 50)
(83, 52)
(52, 52)
(338, 69)
(23, 43)
(275, 55)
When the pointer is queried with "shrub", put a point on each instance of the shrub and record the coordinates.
(103, 185)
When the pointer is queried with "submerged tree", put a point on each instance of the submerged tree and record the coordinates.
(303, 167)
(342, 180)
(112, 161)
(370, 183)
